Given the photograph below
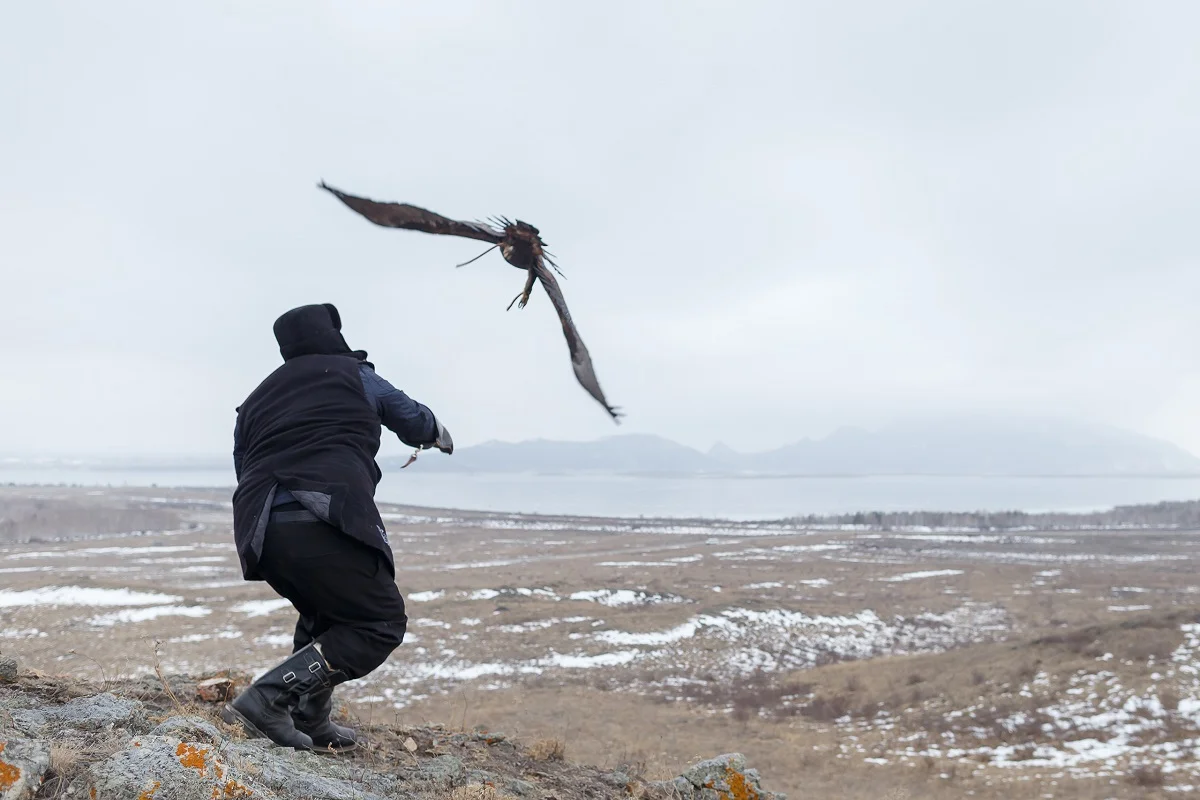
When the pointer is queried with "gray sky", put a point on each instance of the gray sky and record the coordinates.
(775, 218)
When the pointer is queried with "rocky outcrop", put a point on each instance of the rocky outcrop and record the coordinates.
(23, 764)
(137, 742)
(169, 768)
(722, 778)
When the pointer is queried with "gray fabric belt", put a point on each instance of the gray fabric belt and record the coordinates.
(302, 515)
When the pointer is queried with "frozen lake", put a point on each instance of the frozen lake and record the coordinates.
(729, 498)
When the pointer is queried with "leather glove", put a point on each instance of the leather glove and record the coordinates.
(444, 442)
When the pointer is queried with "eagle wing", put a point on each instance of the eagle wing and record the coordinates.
(402, 215)
(581, 361)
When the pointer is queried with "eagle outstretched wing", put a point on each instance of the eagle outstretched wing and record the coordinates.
(520, 244)
(413, 218)
(581, 360)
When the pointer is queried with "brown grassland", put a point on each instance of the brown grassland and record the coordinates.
(849, 662)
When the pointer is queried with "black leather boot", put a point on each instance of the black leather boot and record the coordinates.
(264, 709)
(311, 716)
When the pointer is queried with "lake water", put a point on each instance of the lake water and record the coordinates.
(729, 498)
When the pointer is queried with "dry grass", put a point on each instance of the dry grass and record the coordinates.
(971, 675)
(1147, 776)
(69, 760)
(548, 750)
(794, 730)
(66, 762)
(64, 757)
(478, 791)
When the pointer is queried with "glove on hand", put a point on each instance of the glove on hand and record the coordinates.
(443, 442)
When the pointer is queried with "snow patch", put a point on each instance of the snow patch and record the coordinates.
(625, 597)
(261, 608)
(82, 596)
(930, 573)
(146, 614)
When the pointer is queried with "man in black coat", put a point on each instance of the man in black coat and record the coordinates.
(305, 522)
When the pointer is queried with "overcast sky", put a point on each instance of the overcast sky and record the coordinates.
(775, 218)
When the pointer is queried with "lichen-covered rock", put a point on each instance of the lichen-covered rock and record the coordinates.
(191, 758)
(520, 788)
(617, 778)
(190, 729)
(721, 778)
(705, 773)
(165, 768)
(753, 776)
(682, 787)
(23, 762)
(480, 776)
(29, 721)
(99, 712)
(8, 669)
(288, 774)
(442, 768)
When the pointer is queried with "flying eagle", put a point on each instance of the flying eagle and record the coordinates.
(521, 245)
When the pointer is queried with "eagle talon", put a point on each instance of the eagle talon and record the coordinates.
(522, 297)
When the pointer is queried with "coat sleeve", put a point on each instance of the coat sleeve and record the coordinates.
(413, 423)
(238, 452)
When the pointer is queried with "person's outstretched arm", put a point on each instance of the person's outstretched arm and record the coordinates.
(413, 423)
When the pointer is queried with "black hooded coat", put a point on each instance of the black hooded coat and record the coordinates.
(308, 429)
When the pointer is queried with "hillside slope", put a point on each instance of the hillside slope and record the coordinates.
(136, 741)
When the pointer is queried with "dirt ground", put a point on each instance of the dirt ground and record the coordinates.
(906, 663)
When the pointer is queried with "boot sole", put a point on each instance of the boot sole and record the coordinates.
(329, 751)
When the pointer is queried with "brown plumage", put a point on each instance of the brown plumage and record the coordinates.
(521, 245)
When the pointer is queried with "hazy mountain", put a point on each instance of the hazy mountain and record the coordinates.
(633, 453)
(723, 454)
(943, 447)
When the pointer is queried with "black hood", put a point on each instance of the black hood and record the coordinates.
(312, 330)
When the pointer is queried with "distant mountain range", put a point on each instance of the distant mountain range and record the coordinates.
(941, 447)
(946, 447)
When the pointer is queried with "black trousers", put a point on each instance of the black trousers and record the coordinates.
(345, 594)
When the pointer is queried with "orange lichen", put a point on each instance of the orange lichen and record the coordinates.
(231, 791)
(149, 793)
(9, 774)
(192, 756)
(739, 787)
(92, 792)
